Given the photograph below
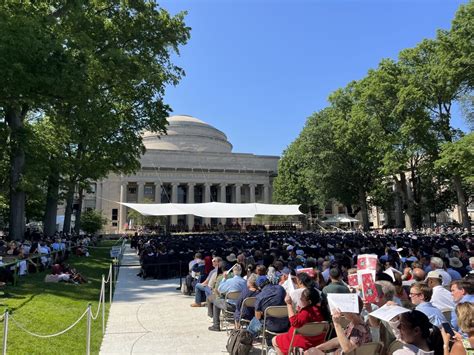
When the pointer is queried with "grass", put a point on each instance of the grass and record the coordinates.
(47, 308)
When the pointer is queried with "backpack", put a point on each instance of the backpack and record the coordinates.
(239, 342)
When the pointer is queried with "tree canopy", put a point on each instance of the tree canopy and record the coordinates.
(86, 81)
(387, 140)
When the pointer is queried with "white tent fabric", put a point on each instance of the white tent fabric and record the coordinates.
(340, 218)
(214, 209)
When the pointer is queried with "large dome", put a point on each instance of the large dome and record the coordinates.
(186, 133)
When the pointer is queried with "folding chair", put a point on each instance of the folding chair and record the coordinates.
(225, 314)
(275, 312)
(248, 302)
(394, 346)
(310, 330)
(367, 349)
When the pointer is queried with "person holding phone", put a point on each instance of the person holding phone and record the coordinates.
(461, 345)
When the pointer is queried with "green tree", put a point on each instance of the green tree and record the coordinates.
(98, 69)
(92, 221)
(439, 81)
(458, 158)
(36, 72)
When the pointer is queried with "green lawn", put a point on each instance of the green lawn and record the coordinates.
(47, 308)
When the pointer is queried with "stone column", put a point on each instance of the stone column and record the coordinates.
(266, 193)
(207, 192)
(174, 199)
(223, 199)
(140, 191)
(223, 193)
(207, 198)
(190, 217)
(238, 193)
(252, 192)
(157, 193)
(98, 196)
(122, 209)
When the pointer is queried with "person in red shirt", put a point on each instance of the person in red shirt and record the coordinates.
(308, 311)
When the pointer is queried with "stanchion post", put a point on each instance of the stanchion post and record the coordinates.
(88, 339)
(5, 332)
(110, 283)
(103, 304)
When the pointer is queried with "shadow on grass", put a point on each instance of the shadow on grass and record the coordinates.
(32, 285)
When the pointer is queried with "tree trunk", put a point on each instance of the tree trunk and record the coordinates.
(363, 209)
(462, 204)
(51, 210)
(409, 202)
(77, 225)
(398, 204)
(15, 120)
(68, 212)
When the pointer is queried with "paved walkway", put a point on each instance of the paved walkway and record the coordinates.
(152, 317)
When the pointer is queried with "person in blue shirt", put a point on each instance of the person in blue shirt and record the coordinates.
(420, 296)
(250, 291)
(233, 284)
(462, 291)
(272, 294)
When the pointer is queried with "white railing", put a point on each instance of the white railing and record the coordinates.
(9, 319)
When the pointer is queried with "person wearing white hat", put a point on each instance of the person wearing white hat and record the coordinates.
(437, 264)
(441, 298)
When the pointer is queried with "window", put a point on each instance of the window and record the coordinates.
(132, 189)
(328, 208)
(148, 190)
(114, 214)
(114, 224)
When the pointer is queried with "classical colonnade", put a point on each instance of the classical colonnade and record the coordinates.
(189, 192)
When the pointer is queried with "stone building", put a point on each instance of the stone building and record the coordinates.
(193, 163)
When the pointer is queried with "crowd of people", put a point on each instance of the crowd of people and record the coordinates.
(432, 276)
(37, 253)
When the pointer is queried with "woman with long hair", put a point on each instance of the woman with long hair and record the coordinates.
(461, 345)
(419, 335)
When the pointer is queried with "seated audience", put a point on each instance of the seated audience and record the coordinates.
(462, 291)
(420, 295)
(419, 335)
(346, 340)
(232, 284)
(250, 291)
(441, 298)
(307, 311)
(461, 344)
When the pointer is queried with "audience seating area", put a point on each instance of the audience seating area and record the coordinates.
(248, 275)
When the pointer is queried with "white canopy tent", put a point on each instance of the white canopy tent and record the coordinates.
(214, 209)
(340, 218)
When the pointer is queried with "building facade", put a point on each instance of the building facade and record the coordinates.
(193, 163)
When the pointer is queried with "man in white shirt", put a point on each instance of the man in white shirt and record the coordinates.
(441, 298)
(437, 264)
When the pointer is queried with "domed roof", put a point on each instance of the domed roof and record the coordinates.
(187, 133)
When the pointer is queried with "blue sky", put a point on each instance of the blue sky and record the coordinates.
(256, 69)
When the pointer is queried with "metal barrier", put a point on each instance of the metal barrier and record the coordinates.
(9, 319)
